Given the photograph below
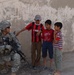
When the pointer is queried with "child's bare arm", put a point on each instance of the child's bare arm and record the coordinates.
(39, 32)
(20, 31)
(55, 37)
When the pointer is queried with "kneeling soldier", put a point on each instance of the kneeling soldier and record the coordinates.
(9, 45)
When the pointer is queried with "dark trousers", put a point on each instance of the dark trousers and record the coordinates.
(36, 53)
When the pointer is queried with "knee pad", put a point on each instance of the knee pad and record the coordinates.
(16, 56)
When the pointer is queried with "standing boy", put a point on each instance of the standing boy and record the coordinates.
(47, 36)
(36, 28)
(57, 47)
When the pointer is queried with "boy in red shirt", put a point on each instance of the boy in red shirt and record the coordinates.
(47, 36)
(36, 28)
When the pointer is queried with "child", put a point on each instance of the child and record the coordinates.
(47, 36)
(57, 47)
(36, 28)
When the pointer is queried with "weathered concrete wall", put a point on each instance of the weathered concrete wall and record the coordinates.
(21, 12)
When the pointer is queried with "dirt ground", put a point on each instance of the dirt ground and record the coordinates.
(67, 67)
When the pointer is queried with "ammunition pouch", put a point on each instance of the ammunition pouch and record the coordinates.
(5, 50)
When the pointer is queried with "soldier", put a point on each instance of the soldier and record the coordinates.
(8, 48)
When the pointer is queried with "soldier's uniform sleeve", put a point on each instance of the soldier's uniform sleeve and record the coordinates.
(16, 40)
(1, 47)
(16, 57)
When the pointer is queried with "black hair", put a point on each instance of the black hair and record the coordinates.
(48, 22)
(58, 24)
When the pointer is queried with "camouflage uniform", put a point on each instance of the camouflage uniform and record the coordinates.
(12, 56)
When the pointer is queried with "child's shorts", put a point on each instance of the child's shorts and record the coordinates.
(47, 46)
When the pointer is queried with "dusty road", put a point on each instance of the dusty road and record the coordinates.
(67, 67)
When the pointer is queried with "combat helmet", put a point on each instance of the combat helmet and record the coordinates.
(4, 24)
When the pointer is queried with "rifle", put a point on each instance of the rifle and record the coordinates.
(15, 49)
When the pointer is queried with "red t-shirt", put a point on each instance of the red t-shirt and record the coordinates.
(47, 35)
(35, 28)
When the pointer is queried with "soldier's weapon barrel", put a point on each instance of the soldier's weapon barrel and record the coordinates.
(22, 56)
